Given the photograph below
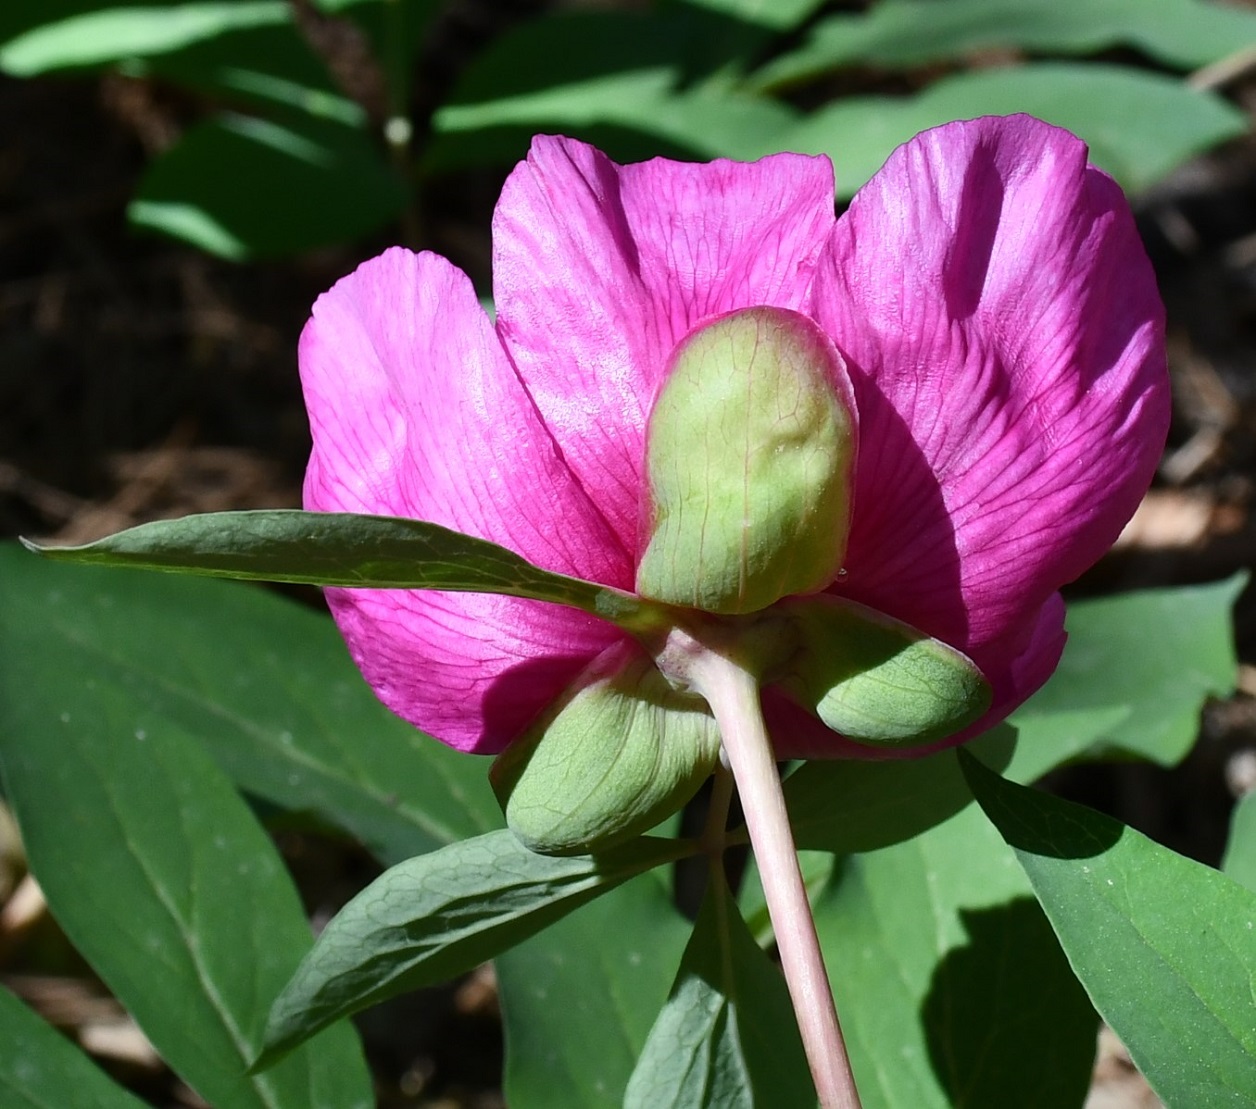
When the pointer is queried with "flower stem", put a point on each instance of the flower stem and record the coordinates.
(733, 694)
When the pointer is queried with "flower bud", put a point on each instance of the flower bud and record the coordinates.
(619, 752)
(749, 457)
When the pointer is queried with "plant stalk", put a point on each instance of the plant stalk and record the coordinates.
(733, 694)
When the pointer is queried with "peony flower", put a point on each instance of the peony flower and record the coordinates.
(997, 336)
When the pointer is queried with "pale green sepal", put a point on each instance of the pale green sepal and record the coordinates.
(749, 454)
(620, 751)
(876, 680)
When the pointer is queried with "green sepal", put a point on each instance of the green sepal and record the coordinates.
(876, 680)
(749, 453)
(620, 751)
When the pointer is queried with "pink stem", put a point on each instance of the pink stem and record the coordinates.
(733, 694)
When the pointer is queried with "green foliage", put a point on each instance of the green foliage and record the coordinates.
(439, 915)
(1183, 34)
(242, 187)
(39, 1068)
(950, 987)
(1136, 670)
(943, 961)
(688, 78)
(1139, 125)
(161, 876)
(340, 548)
(579, 999)
(727, 1037)
(1240, 854)
(1164, 946)
(262, 683)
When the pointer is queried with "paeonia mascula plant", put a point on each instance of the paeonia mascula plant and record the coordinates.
(729, 482)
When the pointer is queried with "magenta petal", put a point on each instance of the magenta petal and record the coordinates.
(600, 269)
(416, 411)
(1006, 345)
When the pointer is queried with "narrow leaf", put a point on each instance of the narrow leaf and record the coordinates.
(430, 918)
(727, 1037)
(163, 879)
(341, 548)
(40, 1069)
(264, 684)
(1165, 946)
(578, 1000)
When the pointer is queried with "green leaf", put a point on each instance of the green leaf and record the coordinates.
(1139, 125)
(904, 33)
(243, 187)
(614, 78)
(162, 878)
(436, 916)
(615, 755)
(1165, 946)
(40, 1069)
(780, 15)
(1135, 673)
(264, 684)
(950, 986)
(846, 806)
(88, 38)
(341, 548)
(1240, 849)
(578, 1000)
(727, 1037)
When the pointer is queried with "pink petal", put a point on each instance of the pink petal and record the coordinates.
(416, 412)
(600, 269)
(1006, 344)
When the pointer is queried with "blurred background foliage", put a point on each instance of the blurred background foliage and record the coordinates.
(306, 126)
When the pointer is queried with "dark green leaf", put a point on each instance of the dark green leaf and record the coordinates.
(951, 988)
(40, 1069)
(262, 683)
(902, 33)
(614, 78)
(578, 1000)
(845, 806)
(727, 1037)
(1165, 946)
(1240, 850)
(340, 548)
(436, 916)
(243, 187)
(162, 878)
(1135, 673)
(1139, 125)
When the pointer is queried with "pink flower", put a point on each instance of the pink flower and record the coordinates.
(1003, 337)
